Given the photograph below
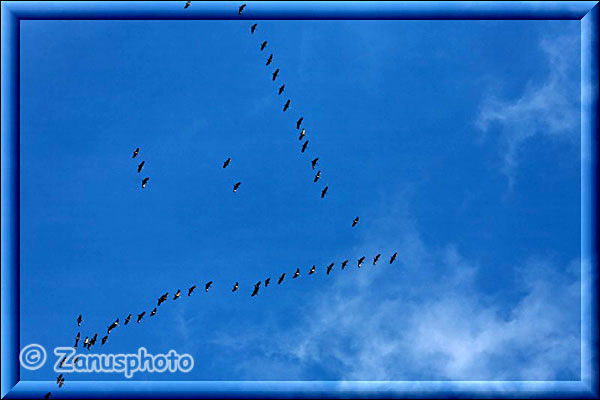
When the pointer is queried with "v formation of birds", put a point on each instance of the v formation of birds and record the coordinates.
(88, 342)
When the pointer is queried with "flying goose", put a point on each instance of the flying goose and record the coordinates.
(135, 153)
(140, 316)
(344, 264)
(207, 286)
(302, 134)
(281, 89)
(189, 3)
(177, 295)
(360, 261)
(141, 166)
(77, 339)
(255, 291)
(324, 191)
(235, 287)
(304, 146)
(286, 105)
(104, 339)
(236, 186)
(376, 259)
(281, 278)
(253, 28)
(269, 62)
(191, 290)
(226, 163)
(296, 274)
(393, 258)
(153, 312)
(263, 45)
(329, 268)
(241, 8)
(355, 222)
(267, 281)
(317, 176)
(79, 319)
(275, 73)
(299, 122)
(127, 319)
(314, 162)
(312, 270)
(144, 181)
(113, 325)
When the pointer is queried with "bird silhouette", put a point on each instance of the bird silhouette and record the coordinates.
(241, 8)
(62, 381)
(140, 316)
(296, 274)
(79, 319)
(314, 162)
(267, 281)
(393, 257)
(226, 163)
(281, 278)
(263, 45)
(275, 73)
(312, 270)
(302, 134)
(304, 146)
(177, 295)
(135, 152)
(153, 312)
(191, 290)
(355, 222)
(85, 342)
(144, 181)
(299, 122)
(281, 89)
(255, 291)
(141, 166)
(286, 105)
(77, 339)
(113, 325)
(127, 319)
(47, 395)
(253, 28)
(207, 286)
(163, 298)
(235, 287)
(360, 261)
(269, 62)
(189, 3)
(324, 191)
(236, 186)
(317, 176)
(329, 268)
(344, 264)
(104, 339)
(376, 259)
(58, 378)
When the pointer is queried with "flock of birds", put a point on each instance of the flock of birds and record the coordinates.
(90, 341)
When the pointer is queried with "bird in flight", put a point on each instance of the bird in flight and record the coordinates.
(314, 162)
(140, 316)
(296, 274)
(235, 287)
(85, 342)
(324, 191)
(77, 339)
(393, 258)
(163, 298)
(253, 28)
(236, 186)
(317, 176)
(127, 319)
(62, 363)
(135, 152)
(191, 290)
(274, 73)
(304, 146)
(144, 181)
(267, 281)
(226, 163)
(255, 291)
(302, 134)
(189, 3)
(269, 61)
(177, 295)
(281, 89)
(113, 325)
(355, 222)
(207, 286)
(58, 378)
(299, 122)
(344, 264)
(376, 259)
(329, 268)
(47, 395)
(360, 261)
(79, 319)
(241, 8)
(93, 341)
(263, 45)
(62, 381)
(153, 312)
(281, 278)
(312, 270)
(104, 339)
(286, 105)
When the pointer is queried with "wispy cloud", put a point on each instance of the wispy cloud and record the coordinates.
(426, 318)
(550, 108)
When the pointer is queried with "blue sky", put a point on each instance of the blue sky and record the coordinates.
(456, 142)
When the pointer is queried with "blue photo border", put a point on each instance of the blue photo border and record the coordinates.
(12, 12)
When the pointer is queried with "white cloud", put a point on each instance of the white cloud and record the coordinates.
(548, 109)
(426, 318)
